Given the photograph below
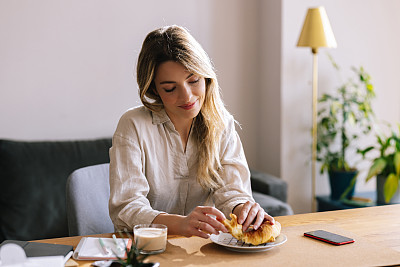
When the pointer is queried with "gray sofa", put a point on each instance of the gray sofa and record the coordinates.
(270, 192)
(33, 179)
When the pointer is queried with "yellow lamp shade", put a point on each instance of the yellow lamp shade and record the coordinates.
(317, 31)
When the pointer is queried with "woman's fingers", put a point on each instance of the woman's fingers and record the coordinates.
(211, 211)
(253, 214)
(207, 228)
(269, 218)
(216, 225)
(259, 219)
(202, 230)
(206, 220)
(243, 212)
(203, 221)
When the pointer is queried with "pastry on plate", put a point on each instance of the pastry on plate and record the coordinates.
(264, 234)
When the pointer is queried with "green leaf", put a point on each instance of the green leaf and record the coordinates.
(376, 168)
(390, 187)
(348, 189)
(380, 140)
(365, 151)
(396, 162)
(352, 118)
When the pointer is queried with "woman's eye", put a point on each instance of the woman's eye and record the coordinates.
(170, 90)
(195, 81)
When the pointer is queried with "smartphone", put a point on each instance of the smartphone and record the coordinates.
(329, 237)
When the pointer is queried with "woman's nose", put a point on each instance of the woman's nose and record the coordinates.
(186, 93)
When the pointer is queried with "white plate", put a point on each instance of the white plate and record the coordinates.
(231, 243)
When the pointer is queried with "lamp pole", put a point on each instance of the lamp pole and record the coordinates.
(314, 126)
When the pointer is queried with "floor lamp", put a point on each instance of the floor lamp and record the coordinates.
(316, 32)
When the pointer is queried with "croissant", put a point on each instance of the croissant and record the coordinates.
(265, 233)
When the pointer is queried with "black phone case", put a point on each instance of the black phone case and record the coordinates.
(329, 237)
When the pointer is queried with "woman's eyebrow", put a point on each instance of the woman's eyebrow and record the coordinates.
(164, 82)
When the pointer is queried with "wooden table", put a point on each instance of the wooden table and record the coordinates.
(374, 228)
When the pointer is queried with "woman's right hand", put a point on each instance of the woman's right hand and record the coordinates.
(202, 222)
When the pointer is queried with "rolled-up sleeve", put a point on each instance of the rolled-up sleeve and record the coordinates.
(235, 172)
(128, 203)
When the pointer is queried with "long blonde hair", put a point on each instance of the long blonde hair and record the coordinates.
(175, 43)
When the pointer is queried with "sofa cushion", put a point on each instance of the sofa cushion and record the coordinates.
(268, 184)
(271, 205)
(33, 179)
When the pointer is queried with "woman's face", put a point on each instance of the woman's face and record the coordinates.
(181, 92)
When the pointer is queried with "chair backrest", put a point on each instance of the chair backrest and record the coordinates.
(88, 191)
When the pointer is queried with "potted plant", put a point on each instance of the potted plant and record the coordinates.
(344, 118)
(134, 256)
(386, 167)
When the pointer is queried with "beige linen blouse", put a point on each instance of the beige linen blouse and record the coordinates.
(150, 173)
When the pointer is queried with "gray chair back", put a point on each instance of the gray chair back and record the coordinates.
(88, 191)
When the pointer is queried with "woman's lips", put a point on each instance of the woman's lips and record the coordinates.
(188, 106)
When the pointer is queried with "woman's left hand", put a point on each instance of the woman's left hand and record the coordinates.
(252, 213)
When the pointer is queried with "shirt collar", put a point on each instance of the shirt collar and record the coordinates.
(160, 116)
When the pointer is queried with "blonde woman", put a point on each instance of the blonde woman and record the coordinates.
(178, 158)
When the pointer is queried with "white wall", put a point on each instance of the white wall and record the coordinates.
(269, 101)
(366, 33)
(235, 52)
(67, 68)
